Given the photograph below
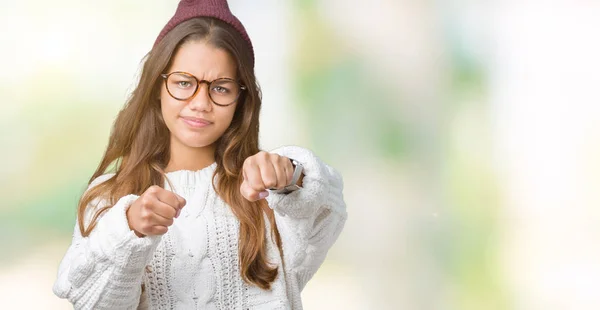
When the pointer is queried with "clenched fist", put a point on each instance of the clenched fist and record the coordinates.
(153, 212)
(264, 171)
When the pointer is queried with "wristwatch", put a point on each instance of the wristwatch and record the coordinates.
(292, 186)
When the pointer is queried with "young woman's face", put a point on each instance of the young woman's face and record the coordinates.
(197, 122)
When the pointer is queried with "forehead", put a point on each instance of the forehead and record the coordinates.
(204, 61)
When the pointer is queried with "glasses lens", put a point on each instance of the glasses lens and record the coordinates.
(181, 86)
(224, 91)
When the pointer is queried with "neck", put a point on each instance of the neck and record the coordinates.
(190, 158)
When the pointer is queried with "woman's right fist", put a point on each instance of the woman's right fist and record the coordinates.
(153, 212)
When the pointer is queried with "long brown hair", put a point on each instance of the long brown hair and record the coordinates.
(138, 164)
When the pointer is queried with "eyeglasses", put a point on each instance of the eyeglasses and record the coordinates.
(183, 86)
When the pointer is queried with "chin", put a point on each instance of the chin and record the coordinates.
(196, 143)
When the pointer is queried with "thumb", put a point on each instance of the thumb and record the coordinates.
(246, 191)
(250, 194)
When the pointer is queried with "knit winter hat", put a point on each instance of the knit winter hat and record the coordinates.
(188, 9)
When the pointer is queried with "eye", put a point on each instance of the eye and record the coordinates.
(181, 81)
(184, 84)
(220, 90)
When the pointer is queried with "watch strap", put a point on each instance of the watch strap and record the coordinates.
(298, 168)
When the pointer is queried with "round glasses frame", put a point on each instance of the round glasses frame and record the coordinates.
(198, 82)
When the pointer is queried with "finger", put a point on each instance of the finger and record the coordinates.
(164, 210)
(170, 198)
(157, 230)
(161, 208)
(182, 201)
(158, 220)
(254, 177)
(279, 166)
(248, 192)
(268, 174)
(149, 220)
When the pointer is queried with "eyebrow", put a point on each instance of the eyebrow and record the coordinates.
(218, 76)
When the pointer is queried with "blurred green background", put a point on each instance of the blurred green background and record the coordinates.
(467, 134)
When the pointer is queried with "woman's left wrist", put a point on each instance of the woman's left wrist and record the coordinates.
(297, 178)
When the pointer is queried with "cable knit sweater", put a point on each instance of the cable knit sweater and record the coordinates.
(195, 264)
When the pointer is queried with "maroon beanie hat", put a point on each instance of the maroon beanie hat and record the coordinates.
(188, 9)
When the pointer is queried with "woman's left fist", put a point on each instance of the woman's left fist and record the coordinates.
(264, 171)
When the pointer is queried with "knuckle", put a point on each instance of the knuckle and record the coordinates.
(270, 182)
(145, 215)
(154, 189)
(265, 156)
(144, 201)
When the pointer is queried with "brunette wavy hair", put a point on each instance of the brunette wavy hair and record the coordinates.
(138, 164)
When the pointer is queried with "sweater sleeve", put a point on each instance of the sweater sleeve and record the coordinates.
(310, 219)
(105, 269)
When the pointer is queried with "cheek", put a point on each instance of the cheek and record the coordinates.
(226, 117)
(170, 111)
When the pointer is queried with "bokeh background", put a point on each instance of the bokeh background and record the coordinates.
(467, 133)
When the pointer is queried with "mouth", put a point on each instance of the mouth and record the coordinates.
(196, 122)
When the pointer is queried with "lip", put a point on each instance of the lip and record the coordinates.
(195, 122)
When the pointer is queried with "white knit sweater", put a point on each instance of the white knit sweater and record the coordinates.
(195, 264)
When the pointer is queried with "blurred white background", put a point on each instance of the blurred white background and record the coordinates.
(467, 133)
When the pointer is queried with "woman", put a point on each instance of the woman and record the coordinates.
(194, 215)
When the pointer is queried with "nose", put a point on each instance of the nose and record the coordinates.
(201, 101)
